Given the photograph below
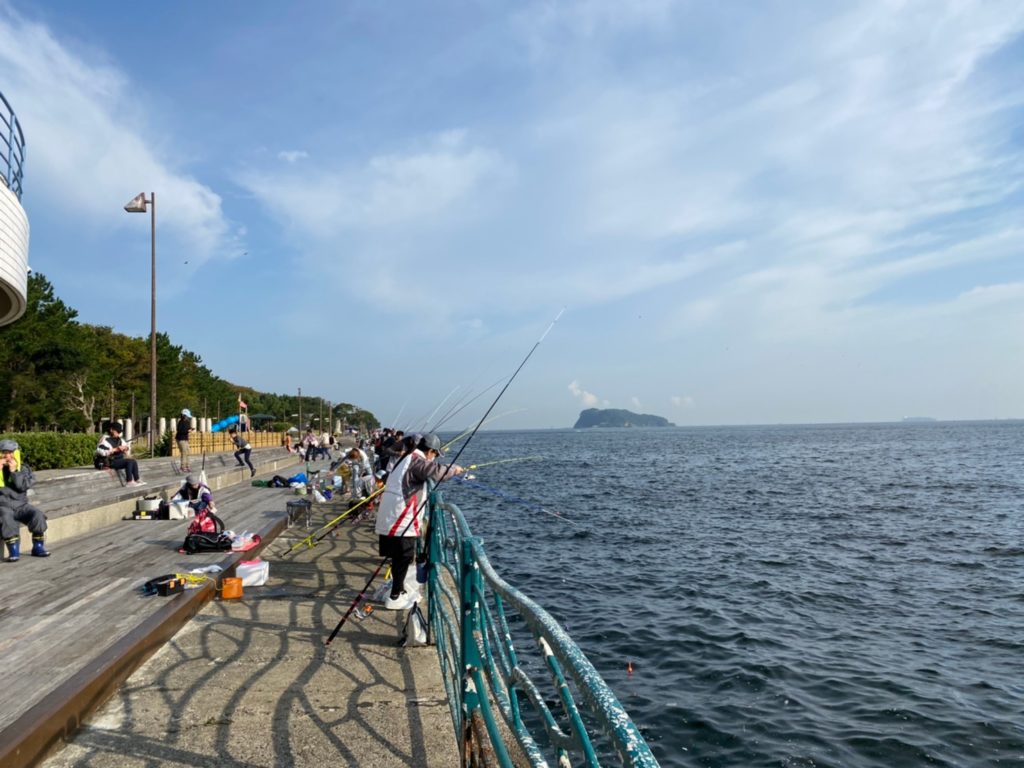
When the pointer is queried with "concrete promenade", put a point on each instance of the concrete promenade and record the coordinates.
(249, 682)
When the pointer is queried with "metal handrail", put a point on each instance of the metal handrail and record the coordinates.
(571, 717)
(12, 149)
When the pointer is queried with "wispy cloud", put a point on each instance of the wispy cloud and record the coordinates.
(292, 155)
(91, 149)
(390, 189)
(828, 165)
(682, 401)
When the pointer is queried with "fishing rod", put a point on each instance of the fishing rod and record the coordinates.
(427, 420)
(454, 412)
(448, 468)
(509, 497)
(503, 461)
(355, 602)
(311, 540)
(400, 412)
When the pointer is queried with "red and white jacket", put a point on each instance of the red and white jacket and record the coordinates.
(403, 507)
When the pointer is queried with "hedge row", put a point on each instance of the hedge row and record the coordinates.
(54, 450)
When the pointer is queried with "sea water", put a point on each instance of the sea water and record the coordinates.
(837, 595)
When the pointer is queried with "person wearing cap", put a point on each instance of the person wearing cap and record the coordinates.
(402, 512)
(196, 493)
(15, 480)
(115, 450)
(181, 437)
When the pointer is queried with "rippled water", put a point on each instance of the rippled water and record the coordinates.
(842, 595)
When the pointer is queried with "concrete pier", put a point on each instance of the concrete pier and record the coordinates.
(249, 682)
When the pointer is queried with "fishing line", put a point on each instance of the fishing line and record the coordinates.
(509, 497)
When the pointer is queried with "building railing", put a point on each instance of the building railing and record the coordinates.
(12, 148)
(565, 714)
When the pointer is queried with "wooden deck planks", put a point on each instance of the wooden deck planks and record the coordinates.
(61, 614)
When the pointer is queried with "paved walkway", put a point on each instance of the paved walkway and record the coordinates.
(250, 683)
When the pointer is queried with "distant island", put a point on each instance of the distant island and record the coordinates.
(616, 417)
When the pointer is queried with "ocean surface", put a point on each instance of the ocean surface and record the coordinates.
(839, 595)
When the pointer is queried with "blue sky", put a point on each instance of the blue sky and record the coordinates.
(752, 213)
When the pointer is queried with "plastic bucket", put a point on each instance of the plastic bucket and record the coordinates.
(231, 588)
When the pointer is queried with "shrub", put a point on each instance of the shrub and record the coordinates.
(55, 450)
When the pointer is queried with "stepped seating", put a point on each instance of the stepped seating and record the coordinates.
(75, 625)
(82, 499)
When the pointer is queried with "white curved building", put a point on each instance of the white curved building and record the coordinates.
(13, 221)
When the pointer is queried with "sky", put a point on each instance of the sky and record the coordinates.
(763, 212)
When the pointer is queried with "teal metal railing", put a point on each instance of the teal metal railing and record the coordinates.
(564, 714)
(12, 148)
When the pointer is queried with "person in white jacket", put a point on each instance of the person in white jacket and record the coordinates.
(401, 516)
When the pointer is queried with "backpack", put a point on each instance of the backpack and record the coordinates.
(100, 461)
(205, 534)
(196, 543)
(205, 522)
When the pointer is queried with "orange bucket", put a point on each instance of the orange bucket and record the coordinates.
(231, 588)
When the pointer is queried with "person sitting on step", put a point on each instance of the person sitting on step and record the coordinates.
(115, 451)
(15, 480)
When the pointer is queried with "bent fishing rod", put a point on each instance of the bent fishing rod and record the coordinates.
(448, 468)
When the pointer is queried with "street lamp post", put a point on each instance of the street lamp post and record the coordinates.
(138, 205)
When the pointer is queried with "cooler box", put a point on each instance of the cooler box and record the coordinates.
(253, 573)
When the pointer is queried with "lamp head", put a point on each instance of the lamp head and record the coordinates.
(137, 204)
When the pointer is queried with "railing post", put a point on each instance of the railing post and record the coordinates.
(467, 646)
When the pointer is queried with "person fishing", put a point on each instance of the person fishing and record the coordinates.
(15, 480)
(113, 451)
(402, 512)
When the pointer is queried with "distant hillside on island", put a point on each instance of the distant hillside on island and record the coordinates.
(616, 417)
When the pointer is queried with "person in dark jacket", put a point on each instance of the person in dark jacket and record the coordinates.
(244, 450)
(15, 480)
(181, 437)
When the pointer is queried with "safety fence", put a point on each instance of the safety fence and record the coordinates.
(12, 148)
(488, 636)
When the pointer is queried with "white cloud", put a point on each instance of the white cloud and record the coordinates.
(682, 401)
(830, 166)
(395, 189)
(635, 402)
(588, 399)
(292, 155)
(90, 149)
